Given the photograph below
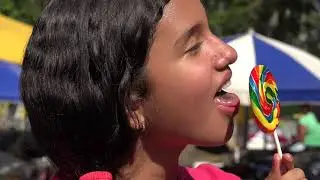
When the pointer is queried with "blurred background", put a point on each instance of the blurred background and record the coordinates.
(282, 34)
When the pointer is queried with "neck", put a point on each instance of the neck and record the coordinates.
(152, 161)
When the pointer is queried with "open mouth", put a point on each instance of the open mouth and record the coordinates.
(222, 91)
(227, 102)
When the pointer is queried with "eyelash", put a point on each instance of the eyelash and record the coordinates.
(194, 49)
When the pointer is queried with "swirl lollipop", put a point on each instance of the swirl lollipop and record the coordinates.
(264, 101)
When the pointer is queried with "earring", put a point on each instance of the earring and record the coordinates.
(141, 123)
(136, 120)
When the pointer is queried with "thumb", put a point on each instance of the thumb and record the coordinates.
(275, 171)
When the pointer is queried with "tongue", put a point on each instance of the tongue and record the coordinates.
(227, 99)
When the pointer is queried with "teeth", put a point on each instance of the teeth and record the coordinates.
(226, 85)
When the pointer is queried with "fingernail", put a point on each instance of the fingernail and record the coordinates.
(287, 154)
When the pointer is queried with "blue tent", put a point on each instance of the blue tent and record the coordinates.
(297, 72)
(9, 81)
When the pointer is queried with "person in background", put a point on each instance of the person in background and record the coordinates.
(308, 130)
(116, 89)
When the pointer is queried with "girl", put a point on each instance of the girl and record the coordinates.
(117, 88)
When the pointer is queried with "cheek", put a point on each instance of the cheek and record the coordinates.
(184, 79)
(181, 92)
(181, 98)
(191, 79)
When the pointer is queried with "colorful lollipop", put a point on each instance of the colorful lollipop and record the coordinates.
(264, 101)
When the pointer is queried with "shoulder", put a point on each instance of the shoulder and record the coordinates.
(97, 175)
(307, 119)
(202, 172)
(210, 172)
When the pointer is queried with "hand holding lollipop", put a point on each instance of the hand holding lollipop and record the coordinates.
(264, 101)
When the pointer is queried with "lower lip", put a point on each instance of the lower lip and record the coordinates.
(230, 109)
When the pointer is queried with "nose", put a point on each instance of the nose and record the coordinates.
(227, 55)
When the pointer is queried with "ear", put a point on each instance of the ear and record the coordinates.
(135, 114)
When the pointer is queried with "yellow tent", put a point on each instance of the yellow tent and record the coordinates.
(14, 36)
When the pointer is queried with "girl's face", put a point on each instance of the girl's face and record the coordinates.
(186, 70)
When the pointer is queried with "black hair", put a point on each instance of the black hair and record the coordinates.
(305, 108)
(83, 60)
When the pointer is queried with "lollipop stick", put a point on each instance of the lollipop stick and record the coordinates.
(276, 138)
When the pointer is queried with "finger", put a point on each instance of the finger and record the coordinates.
(275, 171)
(297, 173)
(287, 162)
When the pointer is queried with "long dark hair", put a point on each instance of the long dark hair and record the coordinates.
(83, 60)
(306, 108)
(316, 111)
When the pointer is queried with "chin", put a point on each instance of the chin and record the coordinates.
(220, 139)
(212, 139)
(229, 132)
(212, 142)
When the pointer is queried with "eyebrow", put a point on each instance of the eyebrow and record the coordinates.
(188, 34)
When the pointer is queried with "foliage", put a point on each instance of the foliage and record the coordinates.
(296, 22)
(23, 10)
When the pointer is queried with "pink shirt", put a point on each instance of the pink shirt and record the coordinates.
(202, 172)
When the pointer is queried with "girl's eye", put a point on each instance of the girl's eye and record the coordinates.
(194, 49)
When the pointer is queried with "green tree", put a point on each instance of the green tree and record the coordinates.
(24, 10)
(296, 22)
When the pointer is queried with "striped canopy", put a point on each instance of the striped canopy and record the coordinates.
(9, 82)
(297, 72)
(14, 36)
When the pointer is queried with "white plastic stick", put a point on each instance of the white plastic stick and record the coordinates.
(276, 138)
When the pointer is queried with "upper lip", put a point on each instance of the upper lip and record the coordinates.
(226, 77)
